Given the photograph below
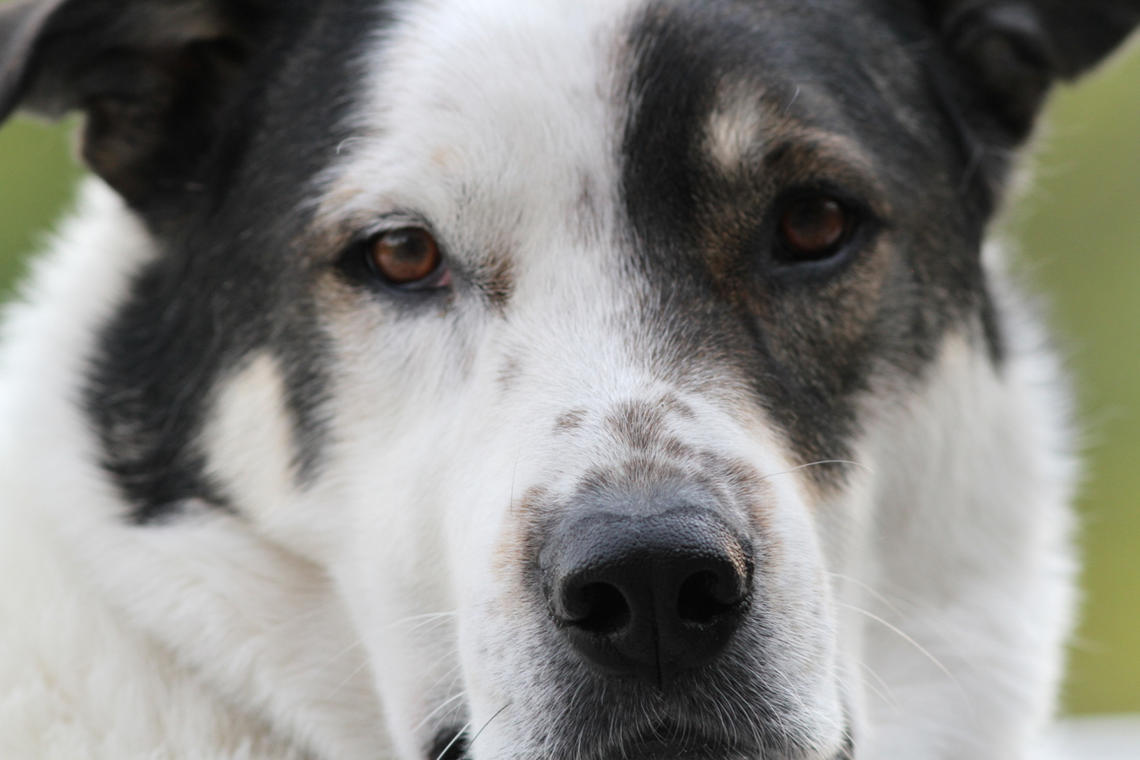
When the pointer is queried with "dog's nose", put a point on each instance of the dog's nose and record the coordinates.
(647, 596)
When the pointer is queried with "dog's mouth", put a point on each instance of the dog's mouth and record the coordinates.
(660, 742)
(674, 742)
(692, 747)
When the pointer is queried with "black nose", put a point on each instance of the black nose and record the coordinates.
(647, 596)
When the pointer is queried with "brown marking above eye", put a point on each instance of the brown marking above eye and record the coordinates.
(815, 227)
(407, 256)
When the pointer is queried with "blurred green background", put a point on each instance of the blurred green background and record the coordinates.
(1079, 227)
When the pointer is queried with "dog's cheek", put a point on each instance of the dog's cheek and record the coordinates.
(508, 667)
(407, 631)
(508, 650)
(398, 418)
(251, 449)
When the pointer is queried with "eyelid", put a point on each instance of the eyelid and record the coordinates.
(395, 220)
(815, 159)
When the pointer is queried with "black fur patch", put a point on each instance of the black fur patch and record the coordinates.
(806, 340)
(232, 277)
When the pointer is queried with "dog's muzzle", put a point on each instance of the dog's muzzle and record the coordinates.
(646, 591)
(660, 614)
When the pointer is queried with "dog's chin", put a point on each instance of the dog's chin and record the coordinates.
(711, 748)
(663, 742)
(657, 747)
(660, 740)
(702, 748)
(708, 747)
(666, 751)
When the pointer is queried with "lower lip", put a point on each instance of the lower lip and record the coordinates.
(658, 750)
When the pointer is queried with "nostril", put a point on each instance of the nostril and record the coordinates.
(705, 596)
(598, 608)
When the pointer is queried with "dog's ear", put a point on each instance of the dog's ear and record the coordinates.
(150, 76)
(1010, 52)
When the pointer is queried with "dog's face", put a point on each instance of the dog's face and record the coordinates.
(550, 331)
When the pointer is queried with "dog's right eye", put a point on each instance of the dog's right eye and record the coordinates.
(408, 258)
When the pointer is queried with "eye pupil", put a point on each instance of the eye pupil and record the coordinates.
(405, 256)
(815, 227)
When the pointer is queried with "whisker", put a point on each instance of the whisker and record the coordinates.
(484, 728)
(355, 672)
(819, 463)
(448, 675)
(910, 640)
(353, 646)
(875, 593)
(895, 604)
(877, 685)
(440, 708)
(426, 618)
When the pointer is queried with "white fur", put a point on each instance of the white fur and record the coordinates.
(120, 643)
(975, 474)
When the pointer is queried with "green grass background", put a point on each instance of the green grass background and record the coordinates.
(1079, 228)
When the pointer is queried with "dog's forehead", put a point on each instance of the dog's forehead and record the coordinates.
(489, 119)
(500, 114)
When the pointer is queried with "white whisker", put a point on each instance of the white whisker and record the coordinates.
(420, 621)
(440, 708)
(877, 595)
(347, 679)
(819, 463)
(914, 643)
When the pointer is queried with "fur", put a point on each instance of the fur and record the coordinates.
(257, 504)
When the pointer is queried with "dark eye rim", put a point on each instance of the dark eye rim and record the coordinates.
(863, 227)
(358, 266)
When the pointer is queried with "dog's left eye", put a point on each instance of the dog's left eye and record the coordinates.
(813, 227)
(408, 258)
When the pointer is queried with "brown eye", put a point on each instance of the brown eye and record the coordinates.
(815, 227)
(407, 257)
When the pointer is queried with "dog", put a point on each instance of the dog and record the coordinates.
(568, 380)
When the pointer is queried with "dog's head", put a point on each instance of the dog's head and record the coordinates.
(553, 332)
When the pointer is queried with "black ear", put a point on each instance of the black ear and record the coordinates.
(151, 76)
(1010, 52)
